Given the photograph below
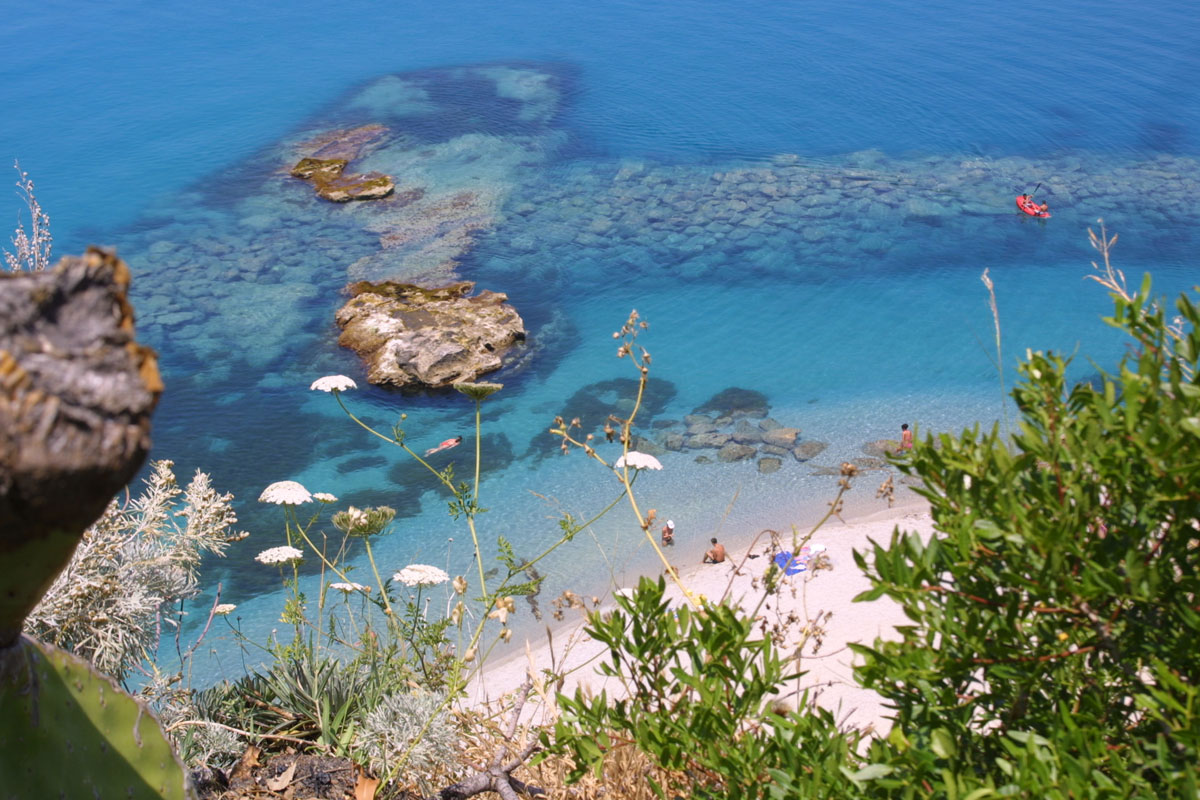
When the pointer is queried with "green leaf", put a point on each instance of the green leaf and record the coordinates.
(942, 743)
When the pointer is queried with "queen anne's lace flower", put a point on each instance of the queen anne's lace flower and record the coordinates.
(349, 587)
(324, 497)
(279, 555)
(421, 575)
(223, 609)
(285, 493)
(635, 460)
(333, 383)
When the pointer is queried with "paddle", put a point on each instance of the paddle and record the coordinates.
(1031, 194)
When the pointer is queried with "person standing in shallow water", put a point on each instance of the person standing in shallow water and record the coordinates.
(906, 438)
(668, 533)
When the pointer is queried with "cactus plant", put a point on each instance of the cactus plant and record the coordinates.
(67, 730)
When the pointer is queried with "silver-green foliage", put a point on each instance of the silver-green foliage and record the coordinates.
(32, 247)
(132, 564)
(389, 731)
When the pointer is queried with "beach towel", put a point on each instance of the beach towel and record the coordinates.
(789, 564)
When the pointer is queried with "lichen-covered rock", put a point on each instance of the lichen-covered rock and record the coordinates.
(76, 395)
(325, 168)
(321, 168)
(411, 337)
(344, 188)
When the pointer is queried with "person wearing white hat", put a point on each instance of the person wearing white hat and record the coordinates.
(668, 533)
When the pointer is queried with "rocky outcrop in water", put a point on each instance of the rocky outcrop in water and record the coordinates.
(325, 168)
(410, 337)
(331, 183)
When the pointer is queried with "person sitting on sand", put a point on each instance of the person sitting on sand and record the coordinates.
(715, 554)
(668, 533)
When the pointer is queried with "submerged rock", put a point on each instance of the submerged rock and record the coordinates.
(781, 437)
(410, 337)
(808, 450)
(702, 440)
(768, 465)
(736, 402)
(881, 448)
(735, 452)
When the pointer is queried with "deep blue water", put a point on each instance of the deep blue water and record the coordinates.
(160, 127)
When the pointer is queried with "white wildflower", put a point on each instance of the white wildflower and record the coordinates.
(279, 555)
(324, 497)
(421, 575)
(285, 493)
(635, 460)
(349, 587)
(333, 383)
(223, 609)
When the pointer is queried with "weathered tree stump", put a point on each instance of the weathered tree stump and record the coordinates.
(76, 395)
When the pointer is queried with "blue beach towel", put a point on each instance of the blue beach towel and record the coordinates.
(789, 564)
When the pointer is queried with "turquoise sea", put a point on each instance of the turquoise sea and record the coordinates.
(799, 197)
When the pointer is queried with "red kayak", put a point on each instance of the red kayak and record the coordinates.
(1026, 204)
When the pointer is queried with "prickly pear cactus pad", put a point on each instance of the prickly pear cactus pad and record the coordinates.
(68, 731)
(76, 394)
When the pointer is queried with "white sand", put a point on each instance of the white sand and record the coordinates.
(809, 595)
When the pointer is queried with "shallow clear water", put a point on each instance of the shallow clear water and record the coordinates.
(800, 199)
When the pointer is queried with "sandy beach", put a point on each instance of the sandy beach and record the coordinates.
(818, 600)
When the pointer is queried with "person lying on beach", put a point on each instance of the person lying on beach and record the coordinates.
(715, 554)
(446, 445)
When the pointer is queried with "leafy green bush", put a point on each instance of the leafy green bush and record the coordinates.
(701, 700)
(1054, 616)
